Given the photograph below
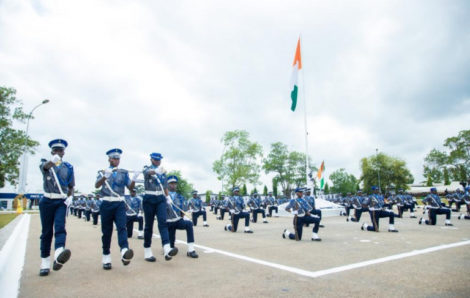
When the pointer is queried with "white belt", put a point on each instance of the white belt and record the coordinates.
(53, 196)
(155, 193)
(112, 199)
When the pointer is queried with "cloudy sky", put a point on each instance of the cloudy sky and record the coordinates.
(173, 76)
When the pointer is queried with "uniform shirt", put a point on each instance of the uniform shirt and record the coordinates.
(118, 181)
(254, 202)
(172, 211)
(300, 205)
(134, 203)
(151, 183)
(65, 176)
(270, 201)
(196, 203)
(311, 201)
(95, 205)
(87, 205)
(235, 203)
(433, 200)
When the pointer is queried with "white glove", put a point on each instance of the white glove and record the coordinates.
(55, 158)
(136, 175)
(295, 212)
(108, 172)
(186, 218)
(68, 201)
(168, 200)
(232, 211)
(160, 171)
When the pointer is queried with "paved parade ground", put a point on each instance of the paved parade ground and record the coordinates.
(419, 261)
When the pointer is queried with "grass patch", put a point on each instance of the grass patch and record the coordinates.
(6, 218)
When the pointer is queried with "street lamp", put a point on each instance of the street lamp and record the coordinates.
(378, 168)
(24, 164)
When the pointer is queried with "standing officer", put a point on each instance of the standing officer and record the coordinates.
(435, 207)
(58, 183)
(176, 219)
(113, 182)
(376, 210)
(197, 209)
(154, 203)
(271, 203)
(134, 214)
(235, 205)
(87, 208)
(301, 211)
(95, 209)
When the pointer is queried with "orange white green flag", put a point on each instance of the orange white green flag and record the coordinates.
(294, 85)
(320, 172)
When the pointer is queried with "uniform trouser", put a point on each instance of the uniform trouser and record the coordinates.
(236, 218)
(222, 213)
(358, 214)
(72, 211)
(299, 222)
(52, 213)
(196, 214)
(75, 211)
(79, 213)
(215, 210)
(95, 215)
(255, 214)
(271, 208)
(406, 207)
(375, 215)
(181, 224)
(212, 208)
(348, 210)
(433, 212)
(316, 212)
(87, 214)
(113, 212)
(155, 205)
(458, 205)
(130, 224)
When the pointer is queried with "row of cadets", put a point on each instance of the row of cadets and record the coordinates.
(256, 207)
(301, 211)
(154, 204)
(236, 206)
(176, 218)
(134, 213)
(197, 209)
(113, 182)
(377, 210)
(271, 204)
(434, 206)
(58, 183)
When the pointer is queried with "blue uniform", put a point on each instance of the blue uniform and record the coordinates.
(154, 204)
(134, 214)
(435, 207)
(95, 210)
(376, 210)
(113, 209)
(271, 203)
(197, 208)
(236, 205)
(255, 205)
(175, 220)
(52, 208)
(302, 217)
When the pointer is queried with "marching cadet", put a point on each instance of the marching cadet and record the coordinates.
(176, 219)
(255, 205)
(466, 200)
(72, 206)
(80, 207)
(236, 205)
(113, 182)
(301, 211)
(154, 204)
(58, 183)
(435, 207)
(197, 209)
(134, 214)
(87, 208)
(377, 210)
(271, 204)
(95, 209)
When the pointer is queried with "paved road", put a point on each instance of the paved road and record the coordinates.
(444, 273)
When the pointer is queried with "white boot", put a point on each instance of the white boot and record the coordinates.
(126, 255)
(61, 256)
(46, 263)
(315, 237)
(169, 252)
(448, 223)
(391, 228)
(264, 220)
(57, 252)
(140, 235)
(106, 260)
(248, 230)
(364, 226)
(205, 224)
(286, 234)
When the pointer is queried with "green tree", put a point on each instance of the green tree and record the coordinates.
(392, 171)
(240, 162)
(274, 187)
(265, 191)
(254, 190)
(13, 142)
(244, 191)
(446, 177)
(208, 196)
(343, 182)
(429, 180)
(184, 187)
(327, 190)
(288, 167)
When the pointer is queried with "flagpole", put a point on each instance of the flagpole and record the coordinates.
(305, 125)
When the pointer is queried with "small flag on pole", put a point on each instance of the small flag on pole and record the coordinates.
(320, 172)
(294, 85)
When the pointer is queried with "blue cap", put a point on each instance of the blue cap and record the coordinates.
(236, 188)
(373, 187)
(194, 192)
(114, 153)
(433, 189)
(299, 189)
(156, 156)
(58, 143)
(172, 178)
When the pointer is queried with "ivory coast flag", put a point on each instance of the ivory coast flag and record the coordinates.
(294, 85)
(320, 172)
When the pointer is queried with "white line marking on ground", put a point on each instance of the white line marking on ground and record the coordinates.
(320, 273)
(12, 258)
